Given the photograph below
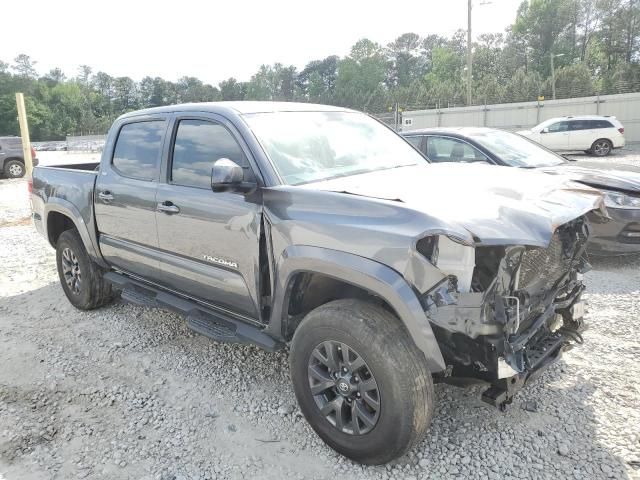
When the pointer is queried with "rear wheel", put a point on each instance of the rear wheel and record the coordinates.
(601, 147)
(14, 169)
(81, 278)
(361, 382)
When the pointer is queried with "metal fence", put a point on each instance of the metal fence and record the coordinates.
(518, 116)
(86, 143)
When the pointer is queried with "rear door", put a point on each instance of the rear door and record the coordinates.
(125, 196)
(556, 136)
(210, 239)
(581, 134)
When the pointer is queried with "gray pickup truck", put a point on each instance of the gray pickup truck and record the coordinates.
(319, 228)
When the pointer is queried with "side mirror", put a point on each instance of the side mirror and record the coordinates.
(228, 175)
(545, 130)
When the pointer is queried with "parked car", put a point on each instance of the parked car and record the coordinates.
(619, 184)
(12, 158)
(319, 227)
(592, 134)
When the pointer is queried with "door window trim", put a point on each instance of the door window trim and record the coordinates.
(160, 154)
(174, 125)
(461, 140)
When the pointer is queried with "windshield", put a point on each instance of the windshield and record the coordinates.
(515, 150)
(308, 147)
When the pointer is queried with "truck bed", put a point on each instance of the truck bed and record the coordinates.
(67, 190)
(89, 166)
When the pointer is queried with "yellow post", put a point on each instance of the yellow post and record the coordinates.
(24, 133)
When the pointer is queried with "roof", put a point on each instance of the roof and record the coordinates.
(240, 107)
(450, 130)
(584, 117)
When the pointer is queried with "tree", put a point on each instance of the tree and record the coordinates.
(361, 76)
(572, 81)
(230, 89)
(544, 26)
(124, 94)
(55, 76)
(319, 76)
(405, 60)
(84, 74)
(24, 66)
(523, 86)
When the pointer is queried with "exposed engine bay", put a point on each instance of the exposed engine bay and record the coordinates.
(515, 314)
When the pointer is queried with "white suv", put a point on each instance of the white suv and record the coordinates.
(592, 133)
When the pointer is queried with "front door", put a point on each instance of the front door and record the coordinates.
(125, 197)
(556, 137)
(210, 239)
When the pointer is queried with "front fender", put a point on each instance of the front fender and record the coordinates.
(361, 272)
(60, 205)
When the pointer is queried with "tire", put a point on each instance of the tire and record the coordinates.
(601, 147)
(14, 169)
(404, 393)
(90, 290)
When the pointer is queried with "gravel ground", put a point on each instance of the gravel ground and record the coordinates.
(130, 392)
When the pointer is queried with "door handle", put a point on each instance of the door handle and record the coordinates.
(168, 207)
(105, 196)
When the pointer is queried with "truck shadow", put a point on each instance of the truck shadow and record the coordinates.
(568, 428)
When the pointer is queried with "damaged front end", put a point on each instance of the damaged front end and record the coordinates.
(517, 312)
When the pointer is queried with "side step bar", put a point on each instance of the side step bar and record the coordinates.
(211, 323)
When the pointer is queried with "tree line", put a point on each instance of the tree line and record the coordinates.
(595, 45)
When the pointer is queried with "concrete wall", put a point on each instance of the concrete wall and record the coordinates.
(518, 116)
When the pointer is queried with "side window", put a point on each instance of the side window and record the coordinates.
(441, 149)
(600, 124)
(579, 125)
(137, 151)
(558, 127)
(198, 145)
(416, 141)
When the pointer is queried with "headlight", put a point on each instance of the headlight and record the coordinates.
(620, 200)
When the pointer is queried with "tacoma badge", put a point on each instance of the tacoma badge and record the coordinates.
(220, 261)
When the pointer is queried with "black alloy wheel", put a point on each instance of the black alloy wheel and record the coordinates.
(344, 388)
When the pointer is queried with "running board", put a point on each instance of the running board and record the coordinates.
(211, 323)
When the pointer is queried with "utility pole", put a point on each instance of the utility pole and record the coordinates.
(469, 56)
(553, 73)
(24, 133)
(553, 78)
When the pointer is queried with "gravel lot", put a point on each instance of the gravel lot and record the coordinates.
(130, 392)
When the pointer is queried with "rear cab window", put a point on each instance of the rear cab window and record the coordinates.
(138, 149)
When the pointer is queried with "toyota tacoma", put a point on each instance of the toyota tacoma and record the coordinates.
(318, 228)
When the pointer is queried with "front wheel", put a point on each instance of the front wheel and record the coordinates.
(601, 148)
(81, 278)
(360, 381)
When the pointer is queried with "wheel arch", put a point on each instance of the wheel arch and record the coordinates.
(61, 215)
(335, 274)
(9, 159)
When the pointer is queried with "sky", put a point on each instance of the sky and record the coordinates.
(214, 40)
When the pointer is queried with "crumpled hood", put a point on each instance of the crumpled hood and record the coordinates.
(601, 175)
(494, 205)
